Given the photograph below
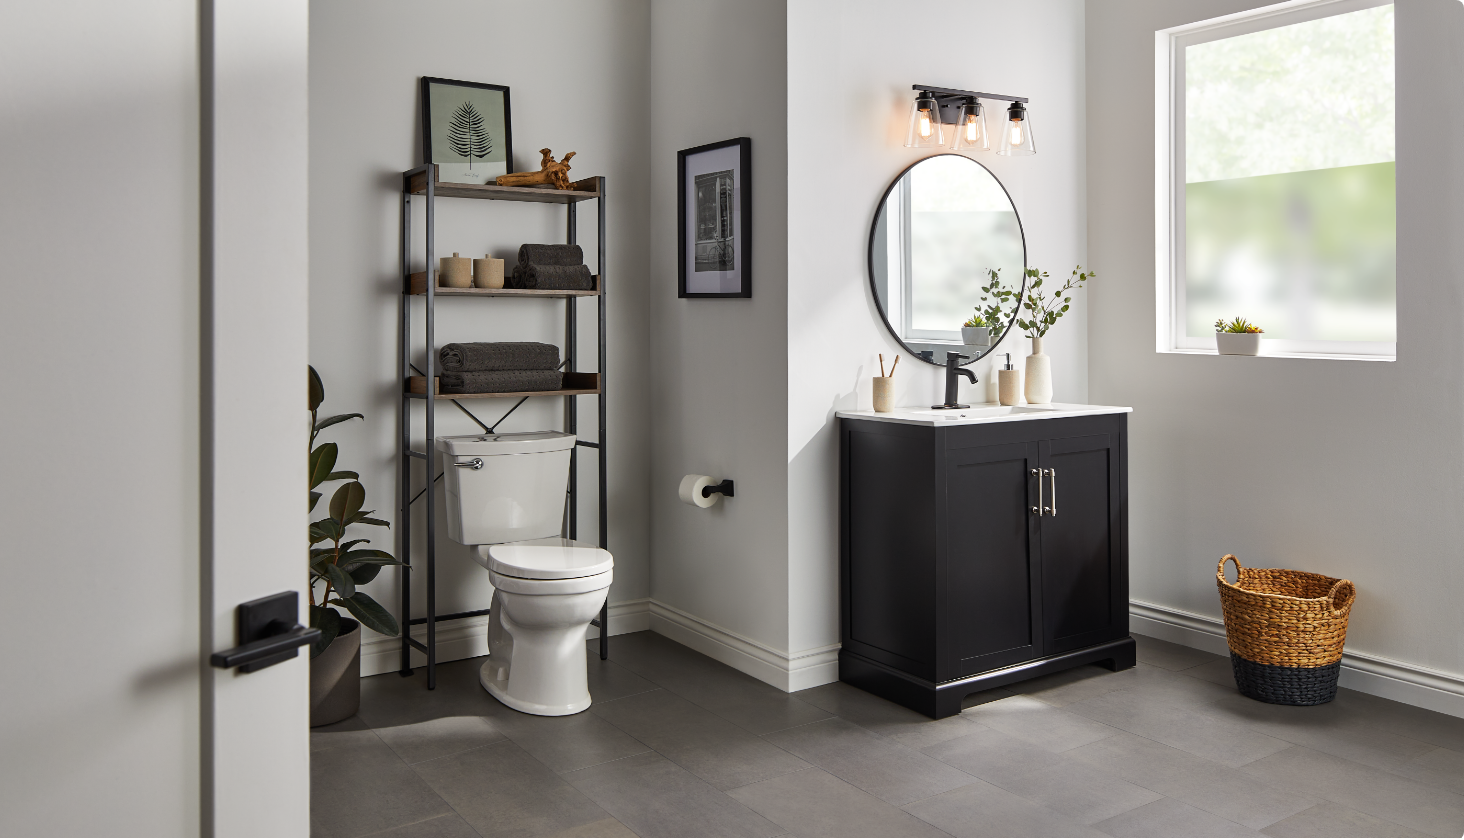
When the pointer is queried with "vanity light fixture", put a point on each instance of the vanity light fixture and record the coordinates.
(1016, 133)
(938, 110)
(926, 130)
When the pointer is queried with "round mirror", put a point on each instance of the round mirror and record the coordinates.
(943, 226)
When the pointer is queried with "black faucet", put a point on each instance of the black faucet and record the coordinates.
(953, 373)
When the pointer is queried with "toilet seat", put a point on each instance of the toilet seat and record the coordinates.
(563, 586)
(545, 560)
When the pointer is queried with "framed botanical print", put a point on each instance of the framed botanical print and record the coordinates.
(466, 130)
(714, 217)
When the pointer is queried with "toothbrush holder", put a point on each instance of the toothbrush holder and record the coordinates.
(884, 393)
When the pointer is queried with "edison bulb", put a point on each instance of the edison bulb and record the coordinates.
(1016, 135)
(924, 123)
(971, 129)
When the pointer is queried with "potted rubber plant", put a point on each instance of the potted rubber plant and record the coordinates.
(1238, 337)
(337, 566)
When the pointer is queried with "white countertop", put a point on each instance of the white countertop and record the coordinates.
(982, 413)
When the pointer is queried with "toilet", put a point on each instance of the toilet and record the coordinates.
(505, 497)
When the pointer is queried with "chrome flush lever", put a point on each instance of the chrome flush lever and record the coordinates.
(1039, 510)
(1052, 476)
(475, 464)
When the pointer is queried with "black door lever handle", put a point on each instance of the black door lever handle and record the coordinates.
(264, 648)
(268, 631)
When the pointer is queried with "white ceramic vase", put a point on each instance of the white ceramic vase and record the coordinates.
(1039, 375)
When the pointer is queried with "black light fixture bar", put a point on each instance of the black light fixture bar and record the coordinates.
(948, 96)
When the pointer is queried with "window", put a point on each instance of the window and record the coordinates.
(1275, 179)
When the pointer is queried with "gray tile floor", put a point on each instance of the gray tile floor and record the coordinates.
(677, 744)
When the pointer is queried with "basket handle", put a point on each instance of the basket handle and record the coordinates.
(1342, 595)
(1220, 570)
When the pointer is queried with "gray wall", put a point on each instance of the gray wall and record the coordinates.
(1348, 468)
(99, 495)
(588, 97)
(718, 371)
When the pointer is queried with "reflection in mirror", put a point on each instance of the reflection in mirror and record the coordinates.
(943, 224)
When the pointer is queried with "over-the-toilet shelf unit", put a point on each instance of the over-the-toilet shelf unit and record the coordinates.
(422, 181)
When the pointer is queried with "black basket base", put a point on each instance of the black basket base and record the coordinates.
(1286, 686)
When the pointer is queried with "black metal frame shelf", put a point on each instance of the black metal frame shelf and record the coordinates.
(422, 181)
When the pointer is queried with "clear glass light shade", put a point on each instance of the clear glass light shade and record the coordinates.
(1016, 133)
(925, 128)
(969, 132)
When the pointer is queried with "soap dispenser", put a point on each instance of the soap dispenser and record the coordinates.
(1009, 383)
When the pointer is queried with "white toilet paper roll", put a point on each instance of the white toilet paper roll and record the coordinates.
(691, 490)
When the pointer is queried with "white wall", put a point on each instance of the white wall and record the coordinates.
(1348, 468)
(99, 502)
(718, 371)
(583, 91)
(850, 68)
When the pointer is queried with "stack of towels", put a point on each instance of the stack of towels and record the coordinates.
(493, 367)
(560, 267)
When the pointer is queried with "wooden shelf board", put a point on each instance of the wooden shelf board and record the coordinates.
(514, 394)
(580, 382)
(417, 285)
(582, 190)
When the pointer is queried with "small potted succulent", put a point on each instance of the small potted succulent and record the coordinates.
(337, 566)
(976, 330)
(1237, 338)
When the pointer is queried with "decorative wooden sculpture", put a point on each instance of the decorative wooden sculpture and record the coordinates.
(552, 172)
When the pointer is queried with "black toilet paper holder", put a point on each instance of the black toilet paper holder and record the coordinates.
(725, 488)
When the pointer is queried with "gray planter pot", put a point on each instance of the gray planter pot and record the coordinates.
(979, 336)
(1238, 344)
(335, 677)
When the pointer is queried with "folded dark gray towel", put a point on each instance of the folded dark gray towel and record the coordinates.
(558, 277)
(499, 381)
(551, 255)
(498, 355)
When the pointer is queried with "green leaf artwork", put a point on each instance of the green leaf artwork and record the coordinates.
(468, 134)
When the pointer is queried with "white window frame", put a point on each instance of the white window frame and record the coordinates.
(1169, 178)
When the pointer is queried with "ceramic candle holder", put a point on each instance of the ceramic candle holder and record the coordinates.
(455, 272)
(884, 393)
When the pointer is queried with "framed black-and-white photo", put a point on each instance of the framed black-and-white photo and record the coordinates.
(466, 130)
(714, 214)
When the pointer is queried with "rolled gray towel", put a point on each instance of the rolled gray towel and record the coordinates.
(497, 355)
(499, 381)
(551, 255)
(556, 277)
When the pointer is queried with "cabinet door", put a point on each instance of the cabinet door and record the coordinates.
(1083, 586)
(992, 612)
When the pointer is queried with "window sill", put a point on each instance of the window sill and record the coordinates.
(1346, 357)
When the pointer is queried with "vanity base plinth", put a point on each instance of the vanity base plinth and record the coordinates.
(940, 700)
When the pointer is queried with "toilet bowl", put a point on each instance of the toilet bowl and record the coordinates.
(505, 497)
(545, 592)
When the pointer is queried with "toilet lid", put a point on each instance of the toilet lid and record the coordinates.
(550, 559)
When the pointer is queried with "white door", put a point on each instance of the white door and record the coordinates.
(256, 427)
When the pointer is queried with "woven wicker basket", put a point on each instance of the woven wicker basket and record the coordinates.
(1285, 630)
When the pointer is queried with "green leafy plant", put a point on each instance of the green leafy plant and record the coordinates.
(976, 320)
(1239, 325)
(1043, 311)
(995, 313)
(340, 566)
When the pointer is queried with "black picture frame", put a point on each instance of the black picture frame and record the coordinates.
(445, 173)
(724, 211)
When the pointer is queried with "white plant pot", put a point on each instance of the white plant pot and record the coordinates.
(1039, 375)
(1238, 344)
(976, 335)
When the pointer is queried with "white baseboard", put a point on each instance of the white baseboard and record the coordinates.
(789, 672)
(466, 638)
(1377, 675)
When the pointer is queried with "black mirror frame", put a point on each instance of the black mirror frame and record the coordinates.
(869, 261)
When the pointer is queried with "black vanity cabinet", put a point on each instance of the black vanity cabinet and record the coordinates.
(974, 556)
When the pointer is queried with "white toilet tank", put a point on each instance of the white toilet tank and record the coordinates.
(516, 494)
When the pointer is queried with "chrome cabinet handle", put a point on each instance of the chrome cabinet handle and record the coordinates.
(1039, 509)
(475, 464)
(1052, 476)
